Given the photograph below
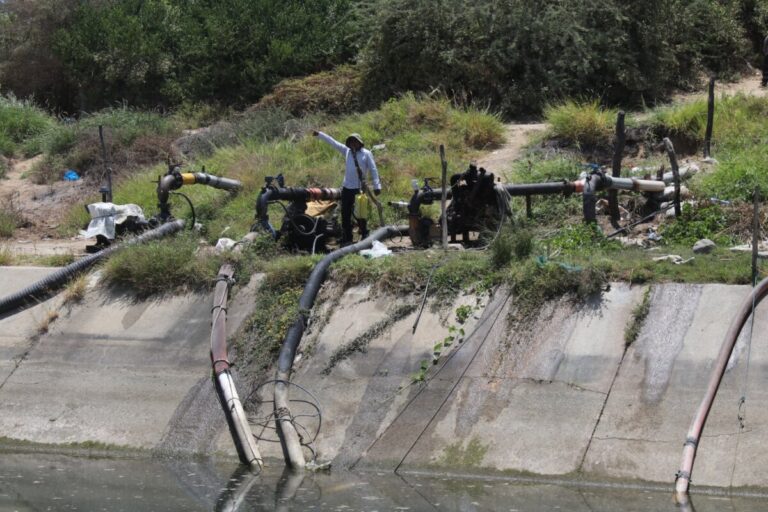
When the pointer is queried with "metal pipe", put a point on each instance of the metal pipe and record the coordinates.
(289, 438)
(269, 194)
(683, 477)
(634, 184)
(245, 444)
(204, 178)
(676, 173)
(45, 287)
(174, 180)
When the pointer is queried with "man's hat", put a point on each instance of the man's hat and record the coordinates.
(355, 136)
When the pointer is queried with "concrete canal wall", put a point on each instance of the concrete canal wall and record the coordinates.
(563, 397)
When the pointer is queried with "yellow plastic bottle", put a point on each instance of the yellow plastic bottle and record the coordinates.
(362, 206)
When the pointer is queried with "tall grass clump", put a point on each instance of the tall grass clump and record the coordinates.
(688, 119)
(161, 267)
(512, 243)
(585, 123)
(10, 219)
(481, 129)
(20, 120)
(739, 142)
(6, 257)
(534, 283)
(738, 175)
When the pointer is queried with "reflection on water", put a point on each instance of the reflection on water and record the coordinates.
(56, 482)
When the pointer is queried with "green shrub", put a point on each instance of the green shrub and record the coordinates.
(738, 174)
(695, 223)
(19, 122)
(581, 238)
(521, 55)
(512, 242)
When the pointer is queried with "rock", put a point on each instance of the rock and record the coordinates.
(704, 246)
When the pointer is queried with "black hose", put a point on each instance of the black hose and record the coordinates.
(316, 278)
(45, 287)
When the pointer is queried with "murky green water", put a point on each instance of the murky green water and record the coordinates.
(63, 483)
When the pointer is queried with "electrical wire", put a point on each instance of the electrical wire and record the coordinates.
(266, 421)
(191, 207)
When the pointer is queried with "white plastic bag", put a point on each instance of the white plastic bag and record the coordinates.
(377, 251)
(225, 244)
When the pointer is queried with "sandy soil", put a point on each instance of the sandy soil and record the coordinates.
(41, 207)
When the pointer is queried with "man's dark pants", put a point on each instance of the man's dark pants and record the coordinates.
(765, 69)
(347, 206)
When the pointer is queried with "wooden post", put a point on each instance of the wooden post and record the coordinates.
(675, 173)
(710, 117)
(755, 234)
(106, 192)
(444, 166)
(618, 152)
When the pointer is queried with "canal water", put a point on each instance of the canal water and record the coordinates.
(37, 482)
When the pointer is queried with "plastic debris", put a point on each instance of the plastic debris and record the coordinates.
(104, 217)
(224, 244)
(377, 251)
(71, 175)
(762, 249)
(673, 258)
(653, 236)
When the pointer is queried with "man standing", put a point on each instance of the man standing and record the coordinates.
(358, 160)
(765, 62)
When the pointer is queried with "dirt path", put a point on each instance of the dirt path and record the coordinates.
(517, 136)
(40, 208)
(749, 85)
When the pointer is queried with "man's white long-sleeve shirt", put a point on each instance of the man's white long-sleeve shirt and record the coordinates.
(364, 158)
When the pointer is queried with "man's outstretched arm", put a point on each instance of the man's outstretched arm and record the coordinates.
(338, 146)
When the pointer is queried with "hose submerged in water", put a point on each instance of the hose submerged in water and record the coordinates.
(289, 437)
(245, 444)
(45, 287)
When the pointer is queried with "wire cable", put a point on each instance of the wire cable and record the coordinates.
(191, 207)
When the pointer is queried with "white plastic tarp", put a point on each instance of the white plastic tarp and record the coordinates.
(104, 217)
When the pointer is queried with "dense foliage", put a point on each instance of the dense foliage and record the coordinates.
(518, 55)
(165, 52)
(514, 55)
